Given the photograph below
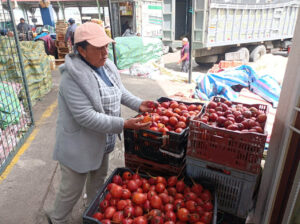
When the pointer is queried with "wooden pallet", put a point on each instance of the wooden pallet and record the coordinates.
(59, 61)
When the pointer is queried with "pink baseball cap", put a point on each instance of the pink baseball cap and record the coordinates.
(93, 33)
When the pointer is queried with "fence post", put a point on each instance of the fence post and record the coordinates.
(20, 59)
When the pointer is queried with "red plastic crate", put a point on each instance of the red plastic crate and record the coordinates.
(235, 149)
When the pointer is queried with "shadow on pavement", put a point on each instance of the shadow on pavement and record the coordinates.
(195, 67)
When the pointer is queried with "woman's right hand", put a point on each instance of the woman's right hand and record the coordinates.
(135, 123)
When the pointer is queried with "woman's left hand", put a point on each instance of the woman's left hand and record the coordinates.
(148, 106)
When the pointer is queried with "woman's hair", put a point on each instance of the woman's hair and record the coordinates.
(82, 44)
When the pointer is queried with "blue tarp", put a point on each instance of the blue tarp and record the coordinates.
(221, 83)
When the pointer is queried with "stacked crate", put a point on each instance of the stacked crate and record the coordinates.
(63, 47)
(230, 159)
(155, 152)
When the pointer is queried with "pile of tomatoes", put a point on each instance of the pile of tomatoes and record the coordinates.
(234, 117)
(132, 199)
(171, 116)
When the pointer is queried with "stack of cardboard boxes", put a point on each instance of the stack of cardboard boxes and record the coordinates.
(63, 47)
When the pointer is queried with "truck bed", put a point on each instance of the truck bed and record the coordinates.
(230, 22)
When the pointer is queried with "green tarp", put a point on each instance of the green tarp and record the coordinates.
(131, 50)
(36, 65)
(10, 109)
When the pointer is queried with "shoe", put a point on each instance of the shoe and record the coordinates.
(48, 218)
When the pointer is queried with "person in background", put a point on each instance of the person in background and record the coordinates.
(70, 31)
(185, 55)
(23, 27)
(125, 26)
(24, 30)
(43, 33)
(3, 32)
(89, 118)
(49, 43)
(128, 33)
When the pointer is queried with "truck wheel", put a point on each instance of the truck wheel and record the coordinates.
(211, 59)
(257, 52)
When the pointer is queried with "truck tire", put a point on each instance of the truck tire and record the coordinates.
(286, 44)
(211, 59)
(257, 52)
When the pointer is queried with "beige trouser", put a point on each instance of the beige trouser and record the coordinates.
(71, 187)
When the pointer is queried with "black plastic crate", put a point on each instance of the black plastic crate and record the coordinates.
(94, 205)
(145, 145)
(165, 149)
(135, 162)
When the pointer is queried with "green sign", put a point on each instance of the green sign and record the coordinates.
(155, 7)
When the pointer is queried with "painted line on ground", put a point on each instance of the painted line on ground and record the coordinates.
(47, 113)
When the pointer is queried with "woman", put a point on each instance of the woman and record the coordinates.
(49, 43)
(90, 96)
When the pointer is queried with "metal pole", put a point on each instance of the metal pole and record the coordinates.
(21, 60)
(112, 31)
(80, 13)
(103, 16)
(99, 11)
(62, 8)
(190, 41)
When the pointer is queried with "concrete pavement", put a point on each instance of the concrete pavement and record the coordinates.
(30, 187)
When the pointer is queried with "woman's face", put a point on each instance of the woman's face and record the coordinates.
(96, 56)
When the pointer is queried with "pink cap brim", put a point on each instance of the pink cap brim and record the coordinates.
(101, 41)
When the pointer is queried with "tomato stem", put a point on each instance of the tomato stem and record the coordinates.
(180, 171)
(194, 182)
(150, 175)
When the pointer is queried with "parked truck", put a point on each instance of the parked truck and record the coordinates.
(143, 16)
(230, 29)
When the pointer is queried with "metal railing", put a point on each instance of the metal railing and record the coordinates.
(16, 117)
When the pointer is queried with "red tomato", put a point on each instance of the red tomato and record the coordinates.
(121, 204)
(192, 107)
(160, 187)
(169, 113)
(98, 215)
(164, 119)
(181, 124)
(116, 191)
(182, 118)
(177, 110)
(154, 129)
(178, 130)
(156, 202)
(109, 212)
(165, 104)
(174, 105)
(183, 214)
(118, 217)
(127, 175)
(139, 198)
(173, 121)
(140, 220)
